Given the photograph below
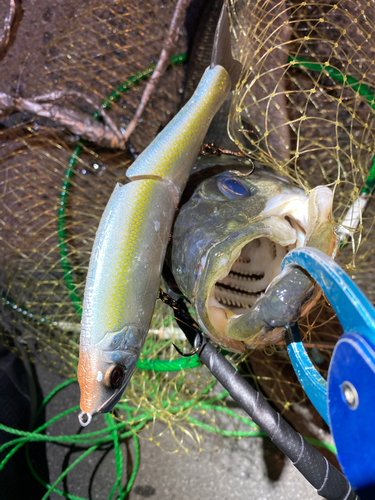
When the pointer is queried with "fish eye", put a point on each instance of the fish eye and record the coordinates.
(233, 188)
(116, 376)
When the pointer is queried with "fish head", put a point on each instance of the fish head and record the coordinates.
(229, 240)
(105, 369)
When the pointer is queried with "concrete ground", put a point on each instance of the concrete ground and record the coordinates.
(249, 468)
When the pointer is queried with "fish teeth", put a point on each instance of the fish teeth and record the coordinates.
(235, 299)
(258, 263)
(243, 260)
(247, 277)
(273, 248)
(245, 284)
(241, 267)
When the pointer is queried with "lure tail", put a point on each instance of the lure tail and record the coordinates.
(172, 155)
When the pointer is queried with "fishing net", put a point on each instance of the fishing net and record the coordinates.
(304, 106)
(307, 89)
(53, 191)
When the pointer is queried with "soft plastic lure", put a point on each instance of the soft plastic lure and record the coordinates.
(129, 248)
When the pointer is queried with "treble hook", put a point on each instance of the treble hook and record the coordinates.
(174, 304)
(243, 174)
(188, 354)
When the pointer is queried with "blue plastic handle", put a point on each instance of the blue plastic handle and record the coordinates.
(355, 312)
(312, 382)
(350, 399)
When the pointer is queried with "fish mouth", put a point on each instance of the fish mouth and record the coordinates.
(114, 399)
(247, 267)
(257, 265)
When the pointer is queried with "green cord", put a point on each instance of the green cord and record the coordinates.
(112, 428)
(118, 454)
(362, 89)
(322, 444)
(114, 434)
(133, 80)
(168, 366)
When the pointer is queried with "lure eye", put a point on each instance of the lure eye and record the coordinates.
(116, 376)
(233, 188)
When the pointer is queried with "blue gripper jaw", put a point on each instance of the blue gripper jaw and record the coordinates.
(347, 402)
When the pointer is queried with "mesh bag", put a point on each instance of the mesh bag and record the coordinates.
(304, 105)
(306, 86)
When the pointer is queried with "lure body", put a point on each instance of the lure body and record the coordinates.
(129, 248)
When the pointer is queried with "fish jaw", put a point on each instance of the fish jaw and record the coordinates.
(282, 302)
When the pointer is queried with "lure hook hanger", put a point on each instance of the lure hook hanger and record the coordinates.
(243, 174)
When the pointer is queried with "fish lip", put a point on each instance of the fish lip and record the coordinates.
(112, 401)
